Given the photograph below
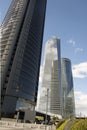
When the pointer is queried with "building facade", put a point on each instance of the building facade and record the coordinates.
(21, 46)
(67, 89)
(56, 98)
(57, 77)
(51, 79)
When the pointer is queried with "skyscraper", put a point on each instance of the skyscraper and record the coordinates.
(21, 45)
(67, 89)
(56, 96)
(57, 77)
(52, 78)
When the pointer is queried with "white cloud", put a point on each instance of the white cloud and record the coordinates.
(39, 89)
(51, 50)
(81, 103)
(80, 70)
(38, 99)
(41, 74)
(0, 18)
(71, 41)
(0, 24)
(0, 35)
(78, 50)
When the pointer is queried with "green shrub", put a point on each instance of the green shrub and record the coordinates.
(63, 125)
(60, 123)
(77, 124)
(80, 124)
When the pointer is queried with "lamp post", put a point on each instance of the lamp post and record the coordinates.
(46, 107)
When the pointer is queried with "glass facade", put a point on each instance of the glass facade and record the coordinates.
(67, 89)
(57, 77)
(52, 78)
(56, 97)
(21, 45)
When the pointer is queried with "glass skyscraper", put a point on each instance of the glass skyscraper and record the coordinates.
(52, 78)
(57, 77)
(67, 88)
(21, 46)
(56, 95)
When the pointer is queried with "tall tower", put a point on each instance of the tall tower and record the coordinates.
(68, 89)
(21, 45)
(52, 78)
(56, 97)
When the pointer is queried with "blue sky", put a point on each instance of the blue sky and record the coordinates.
(67, 19)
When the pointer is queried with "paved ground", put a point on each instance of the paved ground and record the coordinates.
(15, 128)
(3, 128)
(68, 125)
(22, 129)
(18, 129)
(8, 125)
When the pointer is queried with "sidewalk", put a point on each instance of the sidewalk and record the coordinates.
(67, 127)
(6, 125)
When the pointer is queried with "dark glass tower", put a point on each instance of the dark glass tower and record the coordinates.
(21, 45)
(68, 89)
